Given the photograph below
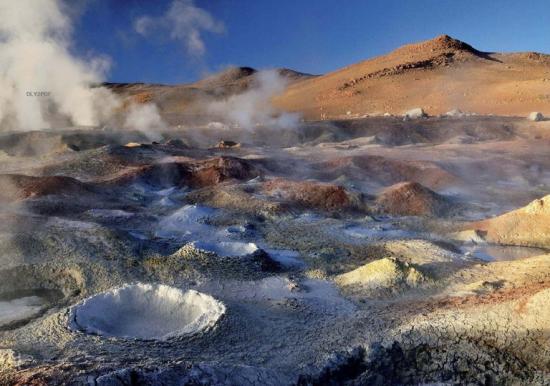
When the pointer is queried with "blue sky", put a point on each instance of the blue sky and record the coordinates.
(315, 36)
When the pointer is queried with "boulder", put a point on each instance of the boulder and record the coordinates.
(455, 113)
(535, 116)
(415, 113)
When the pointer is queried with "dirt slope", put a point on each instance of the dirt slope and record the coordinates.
(529, 226)
(437, 75)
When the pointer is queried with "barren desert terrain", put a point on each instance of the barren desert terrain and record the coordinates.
(332, 249)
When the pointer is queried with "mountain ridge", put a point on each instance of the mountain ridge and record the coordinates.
(438, 75)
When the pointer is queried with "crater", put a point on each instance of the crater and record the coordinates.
(147, 312)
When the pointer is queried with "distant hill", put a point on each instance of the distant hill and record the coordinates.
(187, 99)
(438, 75)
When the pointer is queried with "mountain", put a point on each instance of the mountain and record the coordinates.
(175, 101)
(438, 75)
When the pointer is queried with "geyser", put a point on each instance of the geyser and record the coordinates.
(146, 311)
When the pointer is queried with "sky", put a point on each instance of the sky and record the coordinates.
(146, 42)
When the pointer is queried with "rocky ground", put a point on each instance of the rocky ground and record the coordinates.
(359, 252)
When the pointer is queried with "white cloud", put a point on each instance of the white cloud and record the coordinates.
(185, 22)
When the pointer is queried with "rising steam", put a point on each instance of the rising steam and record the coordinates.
(253, 107)
(41, 81)
(39, 76)
(43, 84)
(146, 119)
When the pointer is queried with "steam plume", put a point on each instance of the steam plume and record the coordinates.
(41, 81)
(38, 75)
(254, 107)
(146, 119)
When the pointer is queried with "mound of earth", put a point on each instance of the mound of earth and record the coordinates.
(527, 226)
(412, 199)
(233, 197)
(383, 276)
(20, 187)
(310, 194)
(216, 170)
(388, 171)
(184, 171)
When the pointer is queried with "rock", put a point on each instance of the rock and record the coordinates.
(455, 113)
(415, 113)
(227, 144)
(535, 116)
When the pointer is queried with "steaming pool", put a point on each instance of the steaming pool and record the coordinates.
(22, 306)
(502, 252)
(146, 311)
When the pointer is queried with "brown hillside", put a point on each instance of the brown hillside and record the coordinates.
(529, 226)
(190, 99)
(437, 75)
